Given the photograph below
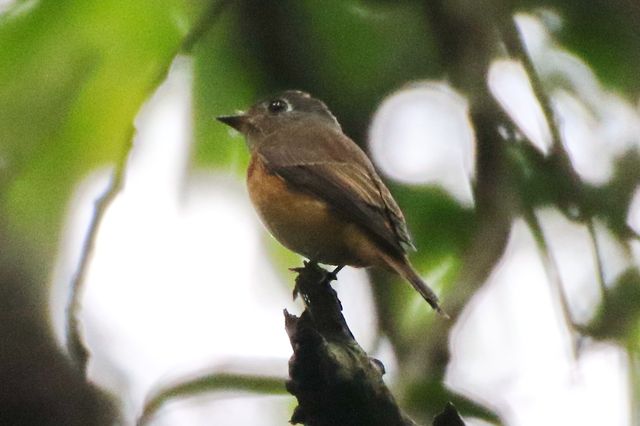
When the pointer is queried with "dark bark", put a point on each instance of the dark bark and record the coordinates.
(334, 380)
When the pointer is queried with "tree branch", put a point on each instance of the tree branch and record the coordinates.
(334, 380)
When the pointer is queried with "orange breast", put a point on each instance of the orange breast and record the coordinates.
(306, 224)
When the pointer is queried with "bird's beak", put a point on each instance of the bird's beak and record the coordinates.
(235, 121)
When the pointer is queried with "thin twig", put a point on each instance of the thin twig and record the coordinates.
(517, 49)
(597, 255)
(75, 345)
(553, 274)
(211, 383)
(633, 365)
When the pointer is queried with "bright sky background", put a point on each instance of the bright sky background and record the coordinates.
(181, 282)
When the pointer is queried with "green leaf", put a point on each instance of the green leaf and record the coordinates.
(226, 78)
(74, 75)
(618, 316)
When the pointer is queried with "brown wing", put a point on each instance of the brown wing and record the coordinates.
(326, 163)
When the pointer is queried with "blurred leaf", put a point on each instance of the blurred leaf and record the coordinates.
(431, 396)
(227, 78)
(74, 76)
(442, 230)
(606, 34)
(439, 225)
(217, 382)
(618, 316)
(603, 32)
(362, 51)
(611, 202)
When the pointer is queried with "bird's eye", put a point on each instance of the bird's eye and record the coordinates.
(278, 105)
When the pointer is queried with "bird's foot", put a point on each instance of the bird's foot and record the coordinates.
(333, 275)
(330, 276)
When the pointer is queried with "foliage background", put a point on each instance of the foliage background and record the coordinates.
(75, 74)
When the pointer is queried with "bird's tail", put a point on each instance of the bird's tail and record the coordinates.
(403, 267)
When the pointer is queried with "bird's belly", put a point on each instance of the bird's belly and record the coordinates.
(306, 224)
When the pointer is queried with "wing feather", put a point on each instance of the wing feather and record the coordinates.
(328, 164)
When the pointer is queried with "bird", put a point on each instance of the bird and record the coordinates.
(318, 193)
